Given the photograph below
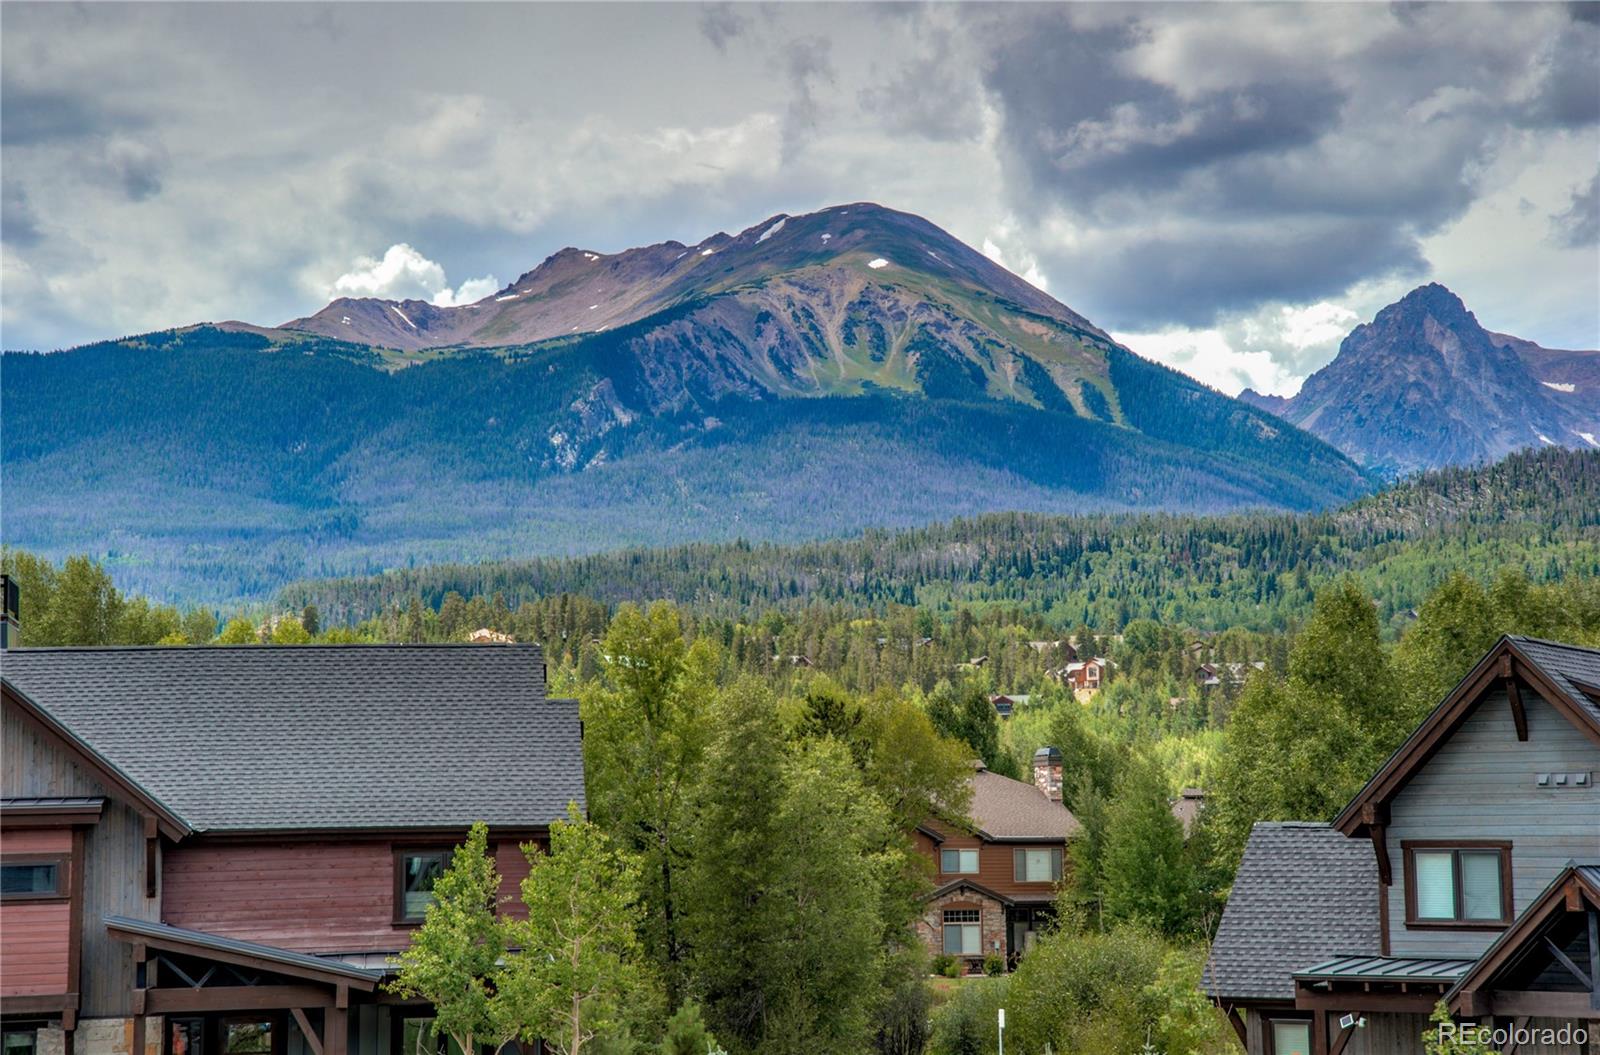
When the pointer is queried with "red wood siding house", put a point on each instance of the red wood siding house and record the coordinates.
(202, 841)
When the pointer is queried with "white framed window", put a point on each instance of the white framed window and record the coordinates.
(1042, 865)
(963, 934)
(958, 862)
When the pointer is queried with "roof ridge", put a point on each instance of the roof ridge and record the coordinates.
(273, 647)
(1554, 644)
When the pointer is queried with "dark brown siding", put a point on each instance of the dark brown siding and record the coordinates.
(113, 874)
(996, 869)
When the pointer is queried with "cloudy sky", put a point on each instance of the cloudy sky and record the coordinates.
(1226, 188)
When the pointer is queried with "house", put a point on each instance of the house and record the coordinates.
(1187, 806)
(792, 659)
(1212, 675)
(995, 880)
(217, 850)
(975, 663)
(1062, 649)
(1467, 870)
(1085, 677)
(1005, 705)
(485, 636)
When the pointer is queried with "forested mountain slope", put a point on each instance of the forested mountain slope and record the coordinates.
(789, 386)
(1537, 511)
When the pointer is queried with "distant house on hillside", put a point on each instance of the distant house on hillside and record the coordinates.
(1061, 649)
(996, 880)
(975, 663)
(485, 636)
(1187, 806)
(1466, 871)
(1085, 677)
(1005, 704)
(1214, 675)
(793, 659)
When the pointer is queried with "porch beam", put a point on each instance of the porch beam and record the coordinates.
(1594, 958)
(1341, 1040)
(1519, 716)
(1566, 961)
(236, 998)
(313, 1041)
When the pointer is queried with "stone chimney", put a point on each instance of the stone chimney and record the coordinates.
(10, 628)
(1047, 772)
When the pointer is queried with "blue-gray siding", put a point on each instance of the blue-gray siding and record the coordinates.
(1481, 786)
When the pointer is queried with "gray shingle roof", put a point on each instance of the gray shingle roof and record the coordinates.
(1003, 808)
(1566, 664)
(321, 737)
(1304, 894)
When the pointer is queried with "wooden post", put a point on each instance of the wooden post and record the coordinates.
(335, 1029)
(1319, 1032)
(1594, 958)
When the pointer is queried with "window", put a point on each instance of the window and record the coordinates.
(1037, 866)
(415, 873)
(20, 1042)
(962, 934)
(186, 1036)
(33, 877)
(1467, 884)
(247, 1036)
(958, 861)
(1290, 1036)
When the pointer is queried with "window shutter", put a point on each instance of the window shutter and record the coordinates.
(1019, 865)
(1055, 865)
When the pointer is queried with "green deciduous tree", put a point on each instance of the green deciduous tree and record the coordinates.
(239, 631)
(645, 736)
(577, 973)
(1144, 877)
(455, 959)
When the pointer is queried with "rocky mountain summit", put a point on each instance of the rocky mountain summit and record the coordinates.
(1424, 385)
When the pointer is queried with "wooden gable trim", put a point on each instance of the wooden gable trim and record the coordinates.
(168, 822)
(1568, 892)
(1502, 662)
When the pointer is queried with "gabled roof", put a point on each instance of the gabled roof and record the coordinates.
(1304, 895)
(105, 769)
(1577, 885)
(958, 885)
(1567, 677)
(325, 737)
(249, 953)
(1006, 809)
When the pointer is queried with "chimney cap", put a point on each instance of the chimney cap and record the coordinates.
(1047, 754)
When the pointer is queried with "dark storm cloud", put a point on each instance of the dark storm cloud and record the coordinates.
(1578, 226)
(1220, 272)
(720, 23)
(1568, 95)
(807, 63)
(1350, 163)
(19, 223)
(31, 115)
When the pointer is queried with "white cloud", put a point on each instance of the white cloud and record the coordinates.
(405, 274)
(1272, 350)
(1022, 263)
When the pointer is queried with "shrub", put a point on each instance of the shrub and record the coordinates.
(966, 1023)
(942, 964)
(994, 965)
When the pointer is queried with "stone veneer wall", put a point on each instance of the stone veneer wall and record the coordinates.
(991, 923)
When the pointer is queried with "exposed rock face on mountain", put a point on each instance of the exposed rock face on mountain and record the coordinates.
(1424, 385)
(813, 375)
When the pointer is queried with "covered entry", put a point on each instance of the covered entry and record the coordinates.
(220, 996)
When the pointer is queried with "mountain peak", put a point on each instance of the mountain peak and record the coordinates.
(1424, 385)
(832, 253)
